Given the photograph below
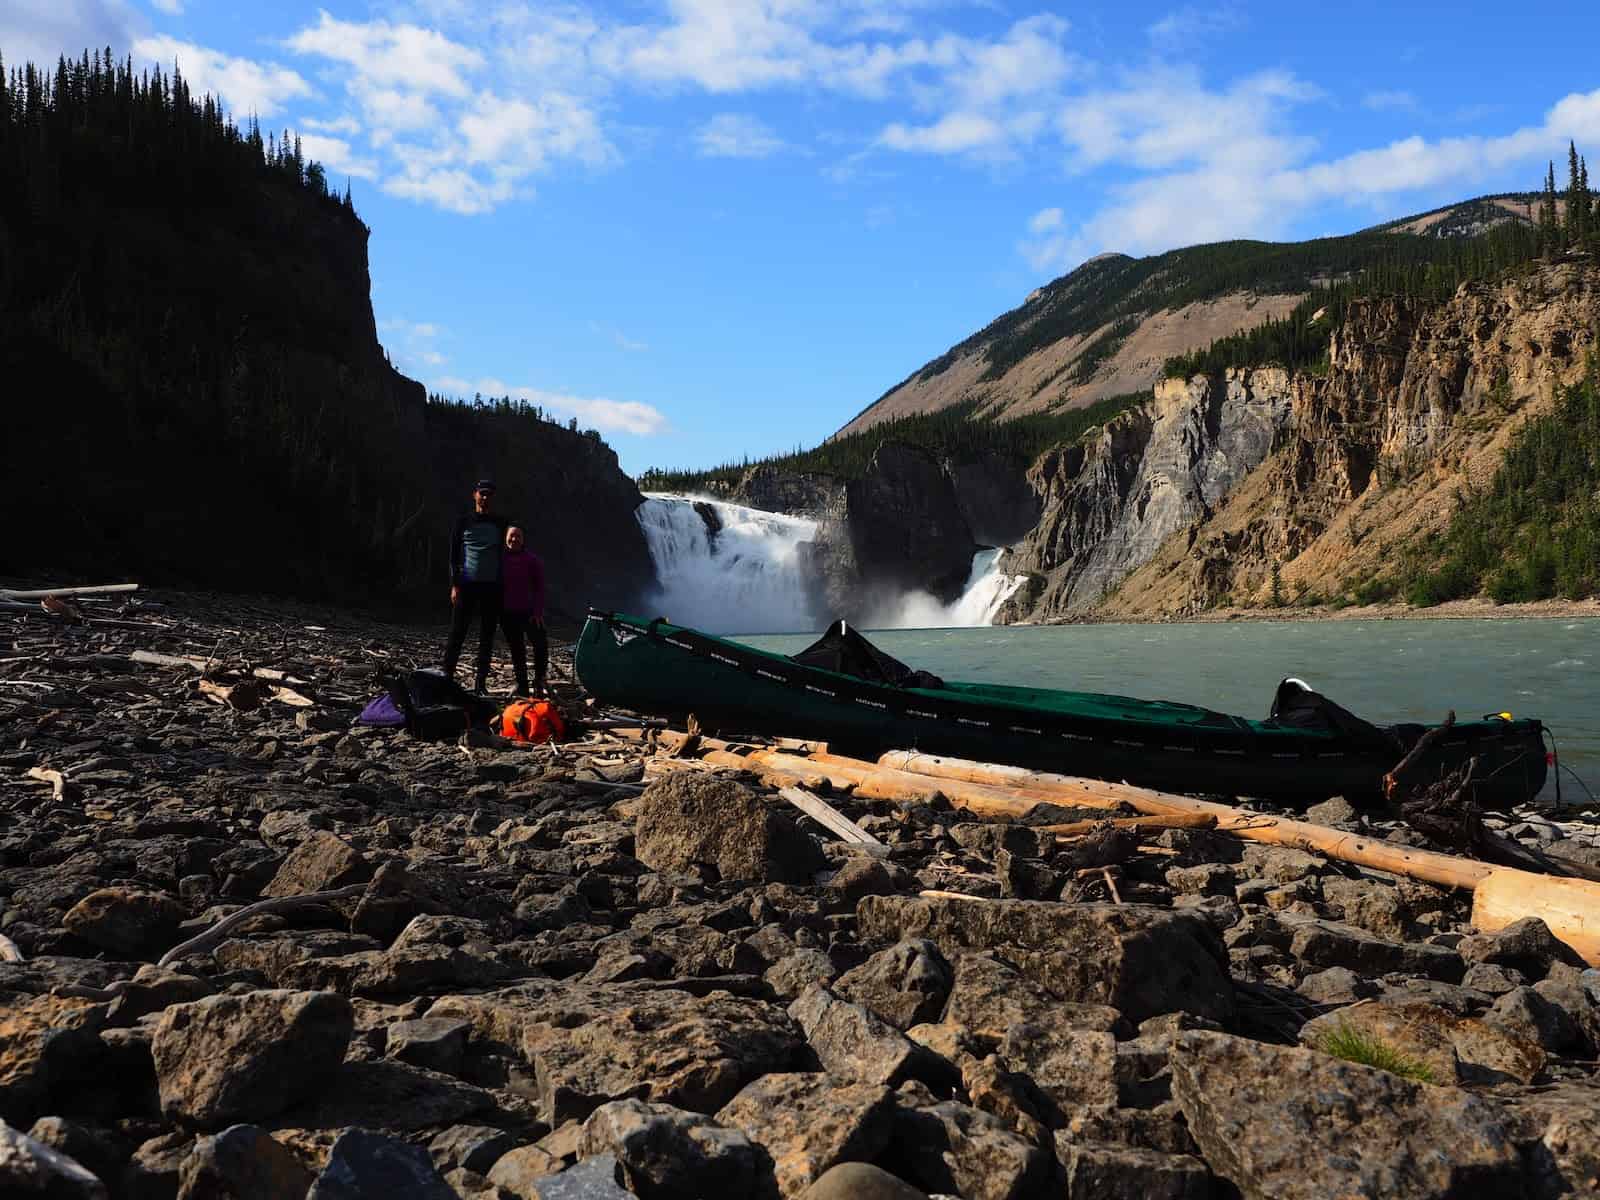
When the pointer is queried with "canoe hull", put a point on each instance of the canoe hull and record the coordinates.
(734, 690)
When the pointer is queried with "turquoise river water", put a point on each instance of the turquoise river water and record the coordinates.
(1385, 671)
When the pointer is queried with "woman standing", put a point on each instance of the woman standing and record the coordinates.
(522, 610)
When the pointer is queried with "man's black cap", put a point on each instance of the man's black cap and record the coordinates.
(483, 485)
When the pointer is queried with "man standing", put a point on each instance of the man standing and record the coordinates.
(475, 587)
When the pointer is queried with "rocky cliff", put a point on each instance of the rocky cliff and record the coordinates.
(1202, 495)
(196, 390)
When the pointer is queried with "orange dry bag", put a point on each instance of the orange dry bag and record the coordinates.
(532, 721)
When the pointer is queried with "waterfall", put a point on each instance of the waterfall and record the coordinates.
(741, 577)
(725, 568)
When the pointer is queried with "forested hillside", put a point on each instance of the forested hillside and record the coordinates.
(196, 388)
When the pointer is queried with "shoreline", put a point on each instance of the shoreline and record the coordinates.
(1453, 610)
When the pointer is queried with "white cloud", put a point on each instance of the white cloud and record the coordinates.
(1191, 23)
(173, 8)
(1258, 182)
(1386, 101)
(346, 125)
(954, 133)
(337, 158)
(734, 135)
(608, 416)
(245, 86)
(411, 344)
(451, 189)
(40, 31)
(407, 58)
(516, 136)
(1045, 220)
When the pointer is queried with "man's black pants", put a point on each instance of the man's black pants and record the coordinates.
(482, 600)
(519, 627)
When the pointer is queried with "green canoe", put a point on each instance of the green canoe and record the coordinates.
(1310, 750)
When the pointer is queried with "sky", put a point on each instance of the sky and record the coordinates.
(719, 228)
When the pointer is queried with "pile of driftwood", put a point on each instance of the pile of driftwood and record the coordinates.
(1522, 884)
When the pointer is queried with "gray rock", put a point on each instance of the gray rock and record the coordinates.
(905, 985)
(860, 876)
(101, 1151)
(1319, 943)
(152, 1173)
(669, 1154)
(989, 997)
(1077, 1069)
(1526, 1013)
(369, 1166)
(1205, 879)
(437, 1043)
(1279, 864)
(154, 988)
(30, 1168)
(1336, 985)
(953, 1148)
(474, 1147)
(1337, 811)
(690, 820)
(319, 863)
(592, 1179)
(795, 972)
(228, 1058)
(1102, 1171)
(48, 1046)
(391, 1095)
(854, 1044)
(130, 921)
(1527, 946)
(242, 1162)
(1493, 979)
(1138, 959)
(809, 1122)
(860, 1181)
(1293, 1124)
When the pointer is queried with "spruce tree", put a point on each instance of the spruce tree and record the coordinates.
(1573, 230)
(1549, 231)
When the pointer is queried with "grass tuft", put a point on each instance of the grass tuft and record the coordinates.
(1364, 1049)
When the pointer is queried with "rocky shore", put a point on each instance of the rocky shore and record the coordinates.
(596, 971)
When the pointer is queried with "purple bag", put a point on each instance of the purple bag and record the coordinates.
(382, 712)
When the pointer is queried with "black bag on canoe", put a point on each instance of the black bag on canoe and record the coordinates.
(1296, 706)
(845, 652)
(436, 707)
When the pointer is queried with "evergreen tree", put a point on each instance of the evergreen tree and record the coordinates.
(1574, 231)
(1549, 229)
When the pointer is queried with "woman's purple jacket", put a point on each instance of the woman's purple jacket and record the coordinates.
(523, 572)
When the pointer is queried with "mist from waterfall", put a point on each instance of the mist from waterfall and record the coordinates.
(746, 577)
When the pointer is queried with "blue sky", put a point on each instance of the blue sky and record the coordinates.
(712, 228)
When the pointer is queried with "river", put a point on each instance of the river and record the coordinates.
(1385, 671)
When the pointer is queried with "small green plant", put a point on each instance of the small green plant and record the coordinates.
(1367, 1050)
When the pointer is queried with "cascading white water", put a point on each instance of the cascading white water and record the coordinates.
(746, 577)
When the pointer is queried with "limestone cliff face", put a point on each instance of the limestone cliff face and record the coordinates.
(1196, 498)
(1110, 503)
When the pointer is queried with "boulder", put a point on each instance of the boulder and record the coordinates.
(368, 1166)
(242, 1162)
(1562, 1127)
(231, 1058)
(321, 862)
(103, 1152)
(808, 1123)
(1452, 1048)
(1136, 958)
(475, 1148)
(955, 1149)
(1527, 1014)
(669, 1154)
(592, 1179)
(519, 1171)
(794, 973)
(48, 1044)
(1319, 944)
(691, 820)
(860, 1181)
(1076, 1068)
(988, 997)
(1294, 1124)
(436, 1043)
(592, 1045)
(1527, 946)
(859, 876)
(852, 1043)
(30, 1168)
(126, 921)
(390, 1095)
(154, 988)
(1105, 1171)
(904, 985)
